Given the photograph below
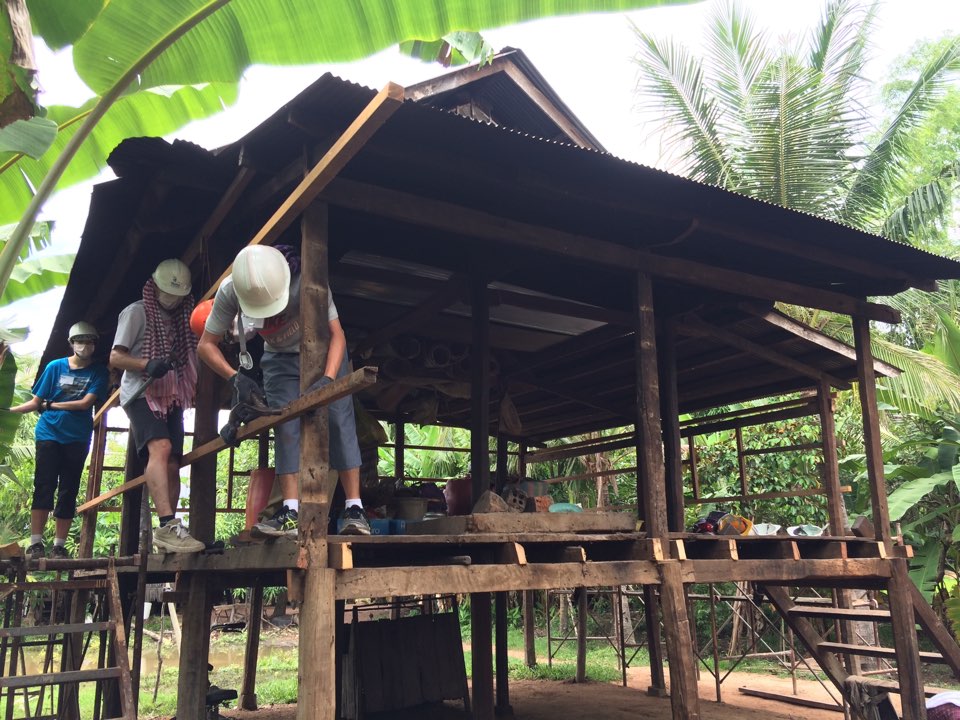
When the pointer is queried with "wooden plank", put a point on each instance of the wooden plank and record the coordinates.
(58, 678)
(709, 427)
(871, 431)
(792, 700)
(776, 450)
(355, 381)
(468, 222)
(875, 651)
(695, 326)
(935, 630)
(66, 628)
(511, 553)
(192, 682)
(806, 492)
(509, 523)
(884, 685)
(560, 306)
(445, 579)
(858, 573)
(203, 472)
(353, 139)
(836, 613)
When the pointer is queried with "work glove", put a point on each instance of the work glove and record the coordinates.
(247, 392)
(321, 383)
(158, 367)
(228, 433)
(240, 414)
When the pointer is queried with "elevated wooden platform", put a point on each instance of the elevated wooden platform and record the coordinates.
(398, 565)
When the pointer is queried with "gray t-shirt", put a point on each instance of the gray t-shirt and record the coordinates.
(280, 333)
(131, 328)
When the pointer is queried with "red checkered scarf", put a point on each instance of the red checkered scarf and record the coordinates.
(178, 386)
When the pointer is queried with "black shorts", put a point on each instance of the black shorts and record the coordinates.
(146, 426)
(58, 470)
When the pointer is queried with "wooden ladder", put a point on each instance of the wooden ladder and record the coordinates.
(68, 600)
(829, 654)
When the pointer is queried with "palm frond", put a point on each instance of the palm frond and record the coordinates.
(924, 209)
(866, 195)
(674, 79)
(737, 56)
(839, 43)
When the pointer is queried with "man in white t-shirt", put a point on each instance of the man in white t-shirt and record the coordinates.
(157, 352)
(263, 294)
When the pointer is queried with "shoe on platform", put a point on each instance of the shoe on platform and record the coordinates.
(283, 524)
(353, 521)
(59, 552)
(174, 538)
(36, 551)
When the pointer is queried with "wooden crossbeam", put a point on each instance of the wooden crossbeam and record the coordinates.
(373, 116)
(467, 222)
(695, 326)
(357, 380)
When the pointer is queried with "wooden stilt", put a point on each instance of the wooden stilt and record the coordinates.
(317, 687)
(481, 650)
(683, 662)
(195, 648)
(529, 629)
(248, 689)
(582, 598)
(88, 524)
(503, 670)
(399, 444)
(651, 609)
(912, 697)
(203, 473)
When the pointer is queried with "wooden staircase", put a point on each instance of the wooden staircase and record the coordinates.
(813, 625)
(64, 627)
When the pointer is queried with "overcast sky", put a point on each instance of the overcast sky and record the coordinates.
(587, 60)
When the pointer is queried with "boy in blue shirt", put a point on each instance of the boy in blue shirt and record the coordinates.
(64, 396)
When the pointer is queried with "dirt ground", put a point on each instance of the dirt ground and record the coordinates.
(548, 700)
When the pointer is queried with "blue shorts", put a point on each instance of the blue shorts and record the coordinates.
(281, 382)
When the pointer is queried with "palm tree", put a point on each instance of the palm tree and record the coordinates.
(789, 124)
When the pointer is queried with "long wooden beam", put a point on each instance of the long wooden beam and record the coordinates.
(815, 336)
(373, 116)
(357, 380)
(468, 222)
(695, 326)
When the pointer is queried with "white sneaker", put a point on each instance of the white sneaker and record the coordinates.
(174, 538)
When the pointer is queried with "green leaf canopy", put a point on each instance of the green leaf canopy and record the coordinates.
(286, 32)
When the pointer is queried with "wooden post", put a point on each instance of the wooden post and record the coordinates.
(399, 445)
(501, 479)
(203, 473)
(195, 648)
(480, 620)
(248, 689)
(650, 473)
(651, 488)
(670, 417)
(905, 642)
(582, 598)
(871, 432)
(502, 659)
(317, 681)
(88, 524)
(130, 507)
(741, 462)
(684, 699)
(479, 385)
(529, 629)
(831, 468)
(481, 649)
(651, 609)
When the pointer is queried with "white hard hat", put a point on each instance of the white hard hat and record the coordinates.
(82, 329)
(261, 279)
(173, 277)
